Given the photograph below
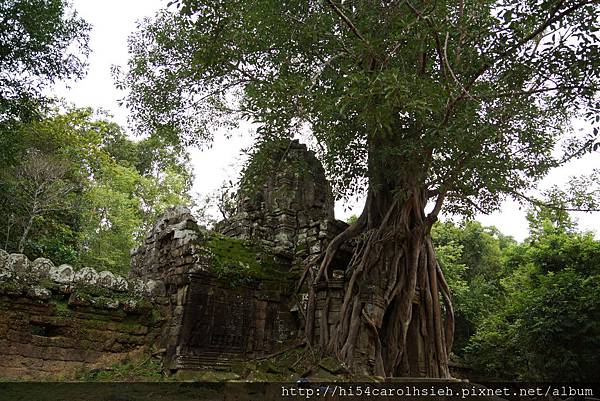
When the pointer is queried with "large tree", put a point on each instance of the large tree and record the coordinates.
(421, 105)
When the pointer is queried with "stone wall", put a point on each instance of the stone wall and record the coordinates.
(184, 298)
(199, 298)
(55, 320)
(213, 318)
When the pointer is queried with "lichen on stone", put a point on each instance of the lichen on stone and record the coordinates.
(86, 276)
(63, 274)
(40, 268)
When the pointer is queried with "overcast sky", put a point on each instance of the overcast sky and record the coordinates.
(114, 20)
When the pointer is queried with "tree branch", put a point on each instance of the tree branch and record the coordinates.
(314, 79)
(552, 206)
(436, 38)
(534, 91)
(349, 23)
(445, 60)
(432, 216)
(554, 16)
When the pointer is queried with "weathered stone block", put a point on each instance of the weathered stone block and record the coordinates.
(107, 279)
(18, 264)
(37, 292)
(3, 258)
(40, 268)
(63, 274)
(86, 276)
(78, 299)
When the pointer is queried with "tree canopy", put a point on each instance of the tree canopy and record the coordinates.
(80, 192)
(526, 311)
(73, 186)
(41, 42)
(542, 320)
(475, 93)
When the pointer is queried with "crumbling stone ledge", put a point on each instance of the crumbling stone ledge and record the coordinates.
(56, 320)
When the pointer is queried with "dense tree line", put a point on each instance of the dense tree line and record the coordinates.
(75, 189)
(530, 310)
(73, 186)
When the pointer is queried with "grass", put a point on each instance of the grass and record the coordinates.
(147, 370)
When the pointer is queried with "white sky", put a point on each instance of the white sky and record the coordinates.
(114, 20)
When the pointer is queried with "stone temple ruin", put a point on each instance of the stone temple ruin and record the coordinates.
(54, 320)
(201, 299)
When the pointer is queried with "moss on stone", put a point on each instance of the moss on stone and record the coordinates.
(96, 324)
(148, 369)
(48, 283)
(241, 262)
(80, 298)
(155, 315)
(332, 365)
(11, 287)
(61, 306)
(94, 291)
(131, 322)
(103, 298)
(206, 376)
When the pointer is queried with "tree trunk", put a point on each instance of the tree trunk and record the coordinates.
(8, 227)
(396, 316)
(21, 246)
(28, 226)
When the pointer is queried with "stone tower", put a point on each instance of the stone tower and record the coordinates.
(292, 205)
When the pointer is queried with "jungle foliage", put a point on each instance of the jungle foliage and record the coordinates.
(455, 104)
(76, 190)
(41, 42)
(73, 186)
(526, 311)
